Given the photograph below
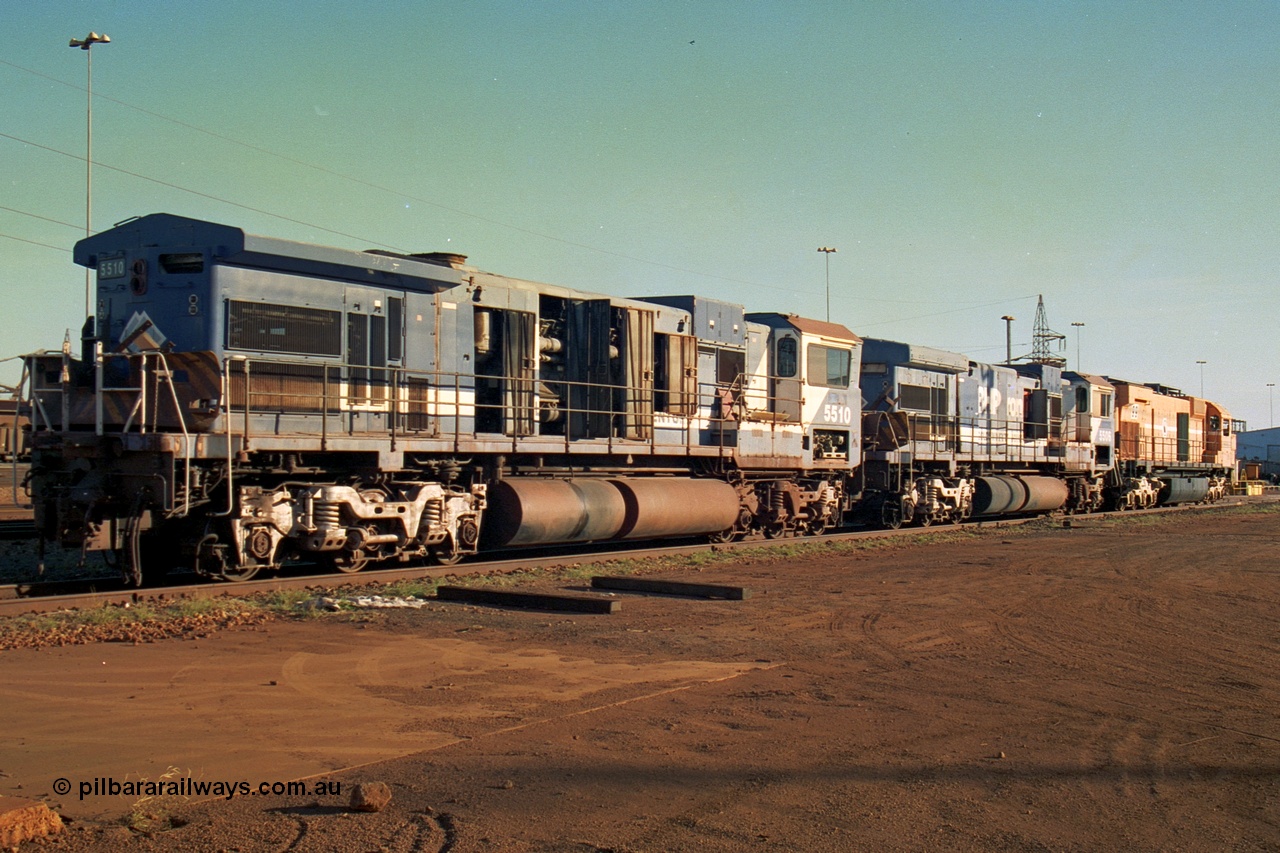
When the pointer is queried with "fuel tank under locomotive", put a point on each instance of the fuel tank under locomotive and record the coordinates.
(541, 512)
(1008, 495)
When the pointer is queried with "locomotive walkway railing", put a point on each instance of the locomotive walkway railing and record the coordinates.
(329, 401)
(927, 436)
(123, 394)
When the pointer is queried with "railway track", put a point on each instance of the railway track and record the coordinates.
(58, 595)
(37, 597)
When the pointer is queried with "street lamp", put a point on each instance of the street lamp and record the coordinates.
(1078, 327)
(1008, 339)
(86, 44)
(1271, 398)
(828, 252)
(1202, 364)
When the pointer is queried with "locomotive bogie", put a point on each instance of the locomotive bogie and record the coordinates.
(943, 499)
(377, 519)
(1139, 492)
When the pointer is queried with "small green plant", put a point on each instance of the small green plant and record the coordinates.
(153, 812)
(418, 588)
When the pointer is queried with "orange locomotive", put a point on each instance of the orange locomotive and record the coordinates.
(1170, 447)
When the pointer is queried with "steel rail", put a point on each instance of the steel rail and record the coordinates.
(16, 599)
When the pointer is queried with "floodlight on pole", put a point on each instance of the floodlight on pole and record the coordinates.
(86, 44)
(1271, 398)
(1202, 364)
(1078, 327)
(828, 252)
(1008, 339)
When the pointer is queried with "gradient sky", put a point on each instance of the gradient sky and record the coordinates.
(962, 157)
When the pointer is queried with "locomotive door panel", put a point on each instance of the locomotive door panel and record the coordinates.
(785, 395)
(519, 366)
(1035, 423)
(374, 346)
(637, 403)
(675, 359)
(505, 371)
(357, 360)
(590, 368)
(1184, 436)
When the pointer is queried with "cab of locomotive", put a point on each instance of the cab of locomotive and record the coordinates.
(1089, 412)
(909, 397)
(808, 372)
(153, 286)
(1220, 439)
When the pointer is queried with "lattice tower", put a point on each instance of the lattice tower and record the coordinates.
(1043, 338)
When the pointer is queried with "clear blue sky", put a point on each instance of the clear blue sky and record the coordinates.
(962, 157)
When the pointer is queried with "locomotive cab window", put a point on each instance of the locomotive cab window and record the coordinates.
(730, 365)
(828, 367)
(788, 361)
(182, 262)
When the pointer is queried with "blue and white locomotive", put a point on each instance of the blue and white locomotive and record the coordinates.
(241, 401)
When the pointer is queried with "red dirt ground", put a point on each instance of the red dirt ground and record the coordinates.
(1110, 686)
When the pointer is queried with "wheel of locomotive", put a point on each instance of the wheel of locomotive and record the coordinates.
(891, 513)
(347, 562)
(815, 526)
(211, 560)
(736, 533)
(925, 519)
(446, 553)
(724, 536)
(776, 530)
(240, 574)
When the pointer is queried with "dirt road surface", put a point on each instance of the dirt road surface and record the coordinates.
(1110, 686)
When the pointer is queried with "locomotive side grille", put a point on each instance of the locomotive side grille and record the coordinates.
(282, 388)
(283, 328)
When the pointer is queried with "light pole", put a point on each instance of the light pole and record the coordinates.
(828, 252)
(86, 44)
(1078, 327)
(1271, 399)
(1008, 339)
(1202, 364)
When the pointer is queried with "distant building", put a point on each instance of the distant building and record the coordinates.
(1260, 447)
